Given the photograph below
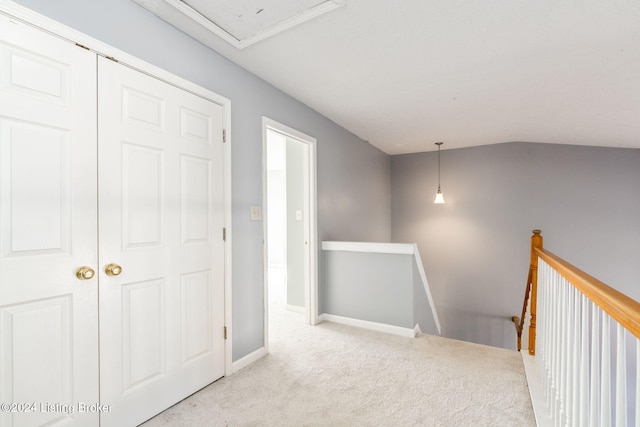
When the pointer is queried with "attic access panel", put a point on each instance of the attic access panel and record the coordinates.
(245, 22)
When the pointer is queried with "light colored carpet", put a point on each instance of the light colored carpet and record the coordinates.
(335, 375)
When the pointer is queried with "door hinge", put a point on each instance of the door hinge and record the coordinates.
(225, 332)
(82, 46)
(224, 135)
(224, 234)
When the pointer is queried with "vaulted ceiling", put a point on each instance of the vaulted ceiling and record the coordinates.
(403, 74)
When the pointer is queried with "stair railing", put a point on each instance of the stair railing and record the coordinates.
(584, 331)
(531, 290)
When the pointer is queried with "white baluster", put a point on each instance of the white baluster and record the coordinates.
(540, 320)
(583, 387)
(568, 402)
(554, 301)
(542, 308)
(544, 318)
(605, 372)
(562, 373)
(575, 364)
(544, 331)
(550, 338)
(553, 355)
(571, 366)
(594, 416)
(621, 377)
(557, 356)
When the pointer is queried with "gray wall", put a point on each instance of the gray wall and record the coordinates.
(376, 287)
(353, 177)
(475, 247)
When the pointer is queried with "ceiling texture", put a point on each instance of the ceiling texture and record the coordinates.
(404, 74)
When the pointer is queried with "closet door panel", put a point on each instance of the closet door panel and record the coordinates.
(48, 211)
(160, 177)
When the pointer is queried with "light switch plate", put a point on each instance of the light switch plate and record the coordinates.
(298, 215)
(256, 213)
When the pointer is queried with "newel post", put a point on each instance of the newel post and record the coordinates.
(536, 242)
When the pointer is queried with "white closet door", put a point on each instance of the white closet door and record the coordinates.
(48, 209)
(160, 220)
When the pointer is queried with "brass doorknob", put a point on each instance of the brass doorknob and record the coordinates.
(112, 269)
(85, 273)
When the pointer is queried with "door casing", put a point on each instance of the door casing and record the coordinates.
(310, 218)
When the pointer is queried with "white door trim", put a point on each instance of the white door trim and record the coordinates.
(311, 290)
(23, 14)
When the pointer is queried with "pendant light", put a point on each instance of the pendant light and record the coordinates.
(439, 197)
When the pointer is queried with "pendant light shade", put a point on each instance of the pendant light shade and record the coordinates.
(439, 197)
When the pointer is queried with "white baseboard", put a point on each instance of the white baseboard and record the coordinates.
(296, 309)
(365, 324)
(416, 330)
(248, 359)
(540, 409)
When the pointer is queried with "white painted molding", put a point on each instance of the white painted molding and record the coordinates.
(427, 288)
(169, 10)
(34, 19)
(416, 330)
(383, 248)
(365, 324)
(296, 309)
(287, 131)
(536, 391)
(250, 358)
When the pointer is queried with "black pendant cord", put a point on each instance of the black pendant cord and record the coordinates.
(438, 168)
(439, 144)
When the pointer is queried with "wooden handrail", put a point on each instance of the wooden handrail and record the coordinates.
(623, 309)
(531, 290)
(519, 321)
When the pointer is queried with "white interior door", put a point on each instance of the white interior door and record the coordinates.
(161, 215)
(48, 209)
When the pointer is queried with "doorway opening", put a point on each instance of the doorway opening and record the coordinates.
(290, 267)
